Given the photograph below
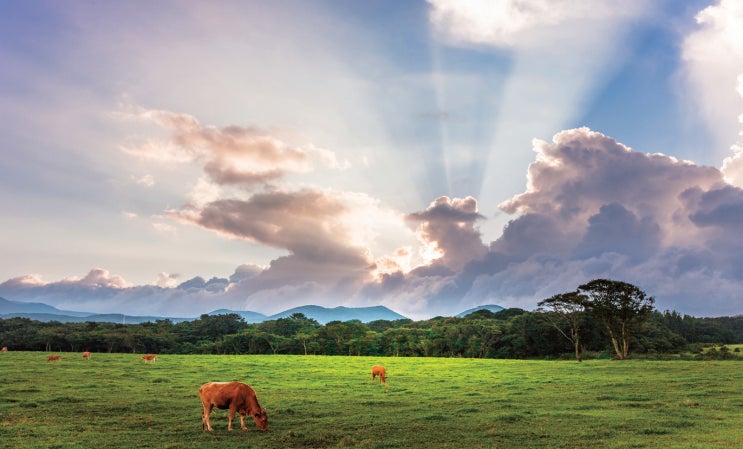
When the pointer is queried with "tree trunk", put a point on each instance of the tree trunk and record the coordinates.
(625, 343)
(614, 342)
(617, 350)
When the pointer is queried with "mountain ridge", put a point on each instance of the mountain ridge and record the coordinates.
(44, 312)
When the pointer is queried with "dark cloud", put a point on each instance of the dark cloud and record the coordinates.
(244, 272)
(722, 208)
(307, 223)
(198, 283)
(615, 229)
(533, 233)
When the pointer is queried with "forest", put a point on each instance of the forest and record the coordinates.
(602, 318)
(510, 333)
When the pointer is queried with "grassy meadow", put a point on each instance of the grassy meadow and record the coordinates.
(116, 401)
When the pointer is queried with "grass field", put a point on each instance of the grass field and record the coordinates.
(115, 401)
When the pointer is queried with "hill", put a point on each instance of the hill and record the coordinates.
(325, 315)
(10, 307)
(248, 316)
(491, 307)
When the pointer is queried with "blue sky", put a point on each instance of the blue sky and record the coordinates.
(429, 156)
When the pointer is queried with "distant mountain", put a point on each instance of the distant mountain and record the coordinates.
(43, 312)
(97, 318)
(248, 316)
(325, 315)
(7, 307)
(491, 307)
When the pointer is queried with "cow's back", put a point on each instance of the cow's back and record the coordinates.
(222, 394)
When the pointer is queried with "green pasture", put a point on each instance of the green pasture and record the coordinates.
(116, 401)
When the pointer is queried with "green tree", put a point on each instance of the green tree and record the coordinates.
(620, 306)
(566, 309)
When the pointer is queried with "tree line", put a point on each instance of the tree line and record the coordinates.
(601, 318)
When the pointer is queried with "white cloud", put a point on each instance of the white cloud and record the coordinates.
(732, 166)
(97, 277)
(714, 62)
(232, 155)
(166, 280)
(515, 22)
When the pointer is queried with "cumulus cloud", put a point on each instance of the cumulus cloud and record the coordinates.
(166, 280)
(581, 171)
(593, 208)
(24, 281)
(447, 226)
(614, 212)
(732, 167)
(98, 277)
(714, 64)
(245, 271)
(505, 23)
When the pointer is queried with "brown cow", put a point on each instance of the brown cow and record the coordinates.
(149, 358)
(235, 396)
(5, 349)
(53, 358)
(378, 370)
(86, 355)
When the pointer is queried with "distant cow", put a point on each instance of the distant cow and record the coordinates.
(378, 370)
(235, 396)
(149, 358)
(54, 358)
(5, 349)
(86, 355)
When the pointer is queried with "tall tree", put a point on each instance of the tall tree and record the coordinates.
(566, 308)
(620, 306)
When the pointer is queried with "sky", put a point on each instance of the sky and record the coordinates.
(178, 157)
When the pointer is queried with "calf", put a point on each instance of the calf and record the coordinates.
(378, 370)
(86, 355)
(235, 396)
(54, 358)
(5, 349)
(149, 358)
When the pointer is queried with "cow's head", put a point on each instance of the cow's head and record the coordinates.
(261, 419)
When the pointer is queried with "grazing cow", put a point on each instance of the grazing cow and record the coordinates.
(86, 355)
(378, 370)
(5, 349)
(149, 358)
(235, 396)
(54, 358)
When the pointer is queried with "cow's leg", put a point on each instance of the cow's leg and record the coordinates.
(205, 424)
(242, 423)
(232, 416)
